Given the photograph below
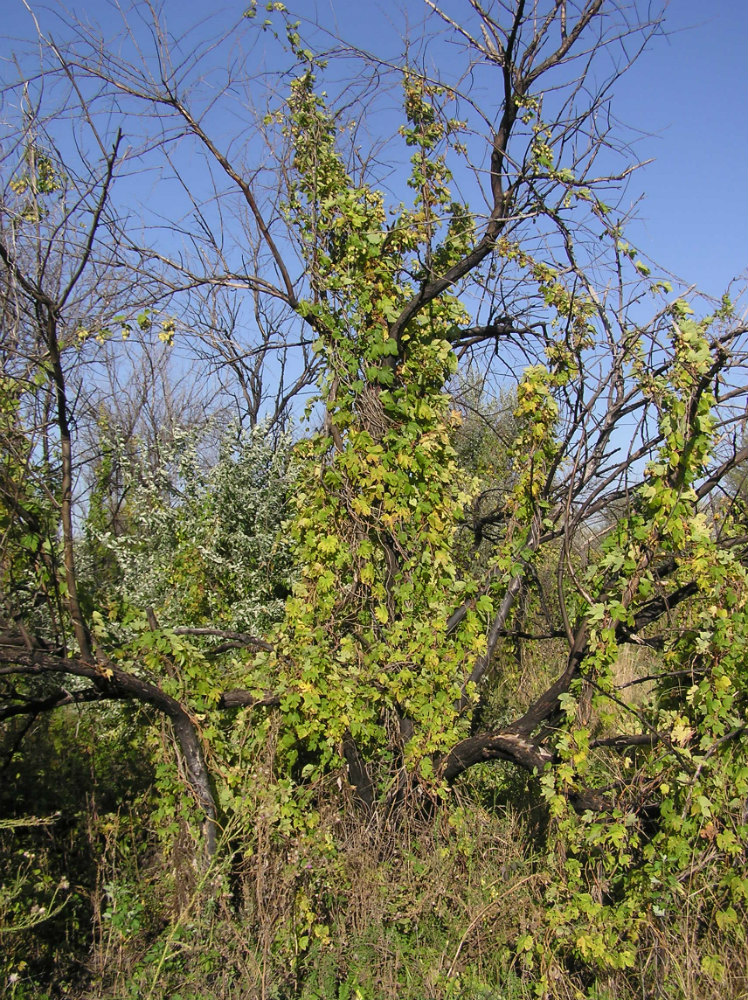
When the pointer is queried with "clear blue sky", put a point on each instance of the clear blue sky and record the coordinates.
(688, 95)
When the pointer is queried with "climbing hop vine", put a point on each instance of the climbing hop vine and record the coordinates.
(364, 652)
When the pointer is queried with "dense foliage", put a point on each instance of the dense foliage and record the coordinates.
(442, 693)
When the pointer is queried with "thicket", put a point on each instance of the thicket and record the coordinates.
(438, 690)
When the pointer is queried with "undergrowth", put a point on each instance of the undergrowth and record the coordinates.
(437, 906)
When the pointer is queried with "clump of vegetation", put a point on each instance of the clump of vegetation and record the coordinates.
(440, 695)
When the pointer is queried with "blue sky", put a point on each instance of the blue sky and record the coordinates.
(689, 93)
(687, 97)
